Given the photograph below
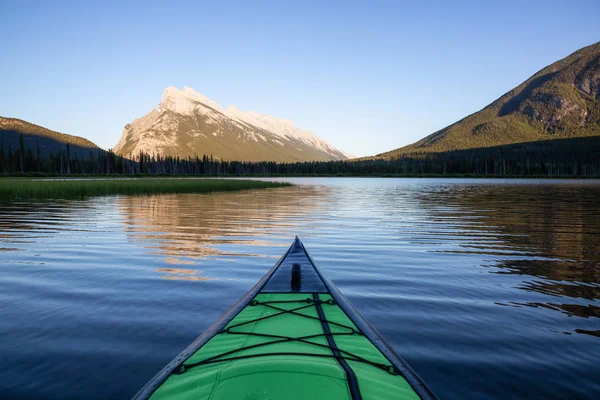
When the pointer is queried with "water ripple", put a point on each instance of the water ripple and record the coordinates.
(486, 287)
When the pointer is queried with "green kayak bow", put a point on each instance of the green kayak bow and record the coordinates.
(292, 336)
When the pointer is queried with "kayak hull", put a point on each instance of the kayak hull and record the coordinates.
(294, 335)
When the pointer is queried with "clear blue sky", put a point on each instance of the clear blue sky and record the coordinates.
(366, 77)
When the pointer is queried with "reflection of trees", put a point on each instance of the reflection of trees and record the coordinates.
(184, 227)
(588, 332)
(547, 231)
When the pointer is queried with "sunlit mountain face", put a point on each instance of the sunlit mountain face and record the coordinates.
(188, 124)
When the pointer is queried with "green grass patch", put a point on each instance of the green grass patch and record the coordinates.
(22, 188)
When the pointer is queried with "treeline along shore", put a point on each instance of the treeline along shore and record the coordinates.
(576, 157)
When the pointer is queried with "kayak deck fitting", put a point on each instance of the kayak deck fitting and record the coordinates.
(292, 336)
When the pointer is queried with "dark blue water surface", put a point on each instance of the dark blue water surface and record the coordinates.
(488, 288)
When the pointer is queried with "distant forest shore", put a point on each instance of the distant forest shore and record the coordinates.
(263, 176)
(573, 157)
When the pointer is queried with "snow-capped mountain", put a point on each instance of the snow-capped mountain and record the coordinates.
(186, 123)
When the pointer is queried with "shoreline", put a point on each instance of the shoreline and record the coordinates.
(104, 177)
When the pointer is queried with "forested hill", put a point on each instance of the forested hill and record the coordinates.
(560, 101)
(37, 137)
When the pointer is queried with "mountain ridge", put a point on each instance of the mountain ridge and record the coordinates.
(187, 123)
(561, 100)
(49, 141)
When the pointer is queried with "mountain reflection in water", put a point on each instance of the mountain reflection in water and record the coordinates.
(186, 228)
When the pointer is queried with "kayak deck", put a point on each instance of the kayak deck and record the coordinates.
(291, 337)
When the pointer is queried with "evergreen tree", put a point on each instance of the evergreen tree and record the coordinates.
(39, 160)
(11, 160)
(21, 152)
(2, 160)
(30, 163)
(68, 159)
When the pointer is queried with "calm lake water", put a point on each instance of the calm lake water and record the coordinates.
(488, 288)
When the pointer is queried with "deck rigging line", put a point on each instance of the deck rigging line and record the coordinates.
(342, 356)
(350, 375)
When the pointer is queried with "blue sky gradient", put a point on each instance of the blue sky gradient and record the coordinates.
(366, 77)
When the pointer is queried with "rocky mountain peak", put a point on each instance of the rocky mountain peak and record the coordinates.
(188, 123)
(185, 101)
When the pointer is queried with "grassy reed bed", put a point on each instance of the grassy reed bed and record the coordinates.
(72, 188)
